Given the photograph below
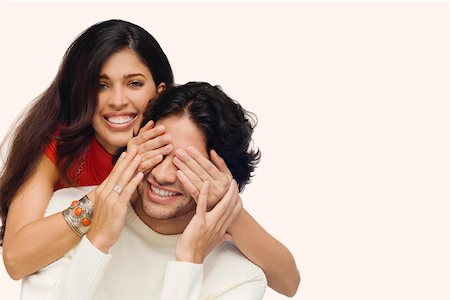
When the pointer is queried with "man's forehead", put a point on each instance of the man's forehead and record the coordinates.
(184, 132)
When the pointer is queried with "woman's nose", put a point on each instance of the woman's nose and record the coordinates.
(118, 98)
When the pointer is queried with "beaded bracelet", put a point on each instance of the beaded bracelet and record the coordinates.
(79, 215)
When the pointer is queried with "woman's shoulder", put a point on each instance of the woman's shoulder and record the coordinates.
(50, 148)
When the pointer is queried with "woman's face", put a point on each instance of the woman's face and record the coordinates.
(125, 88)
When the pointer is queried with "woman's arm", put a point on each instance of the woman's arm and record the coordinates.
(267, 252)
(31, 241)
(257, 244)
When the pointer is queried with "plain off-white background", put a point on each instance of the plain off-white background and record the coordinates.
(353, 107)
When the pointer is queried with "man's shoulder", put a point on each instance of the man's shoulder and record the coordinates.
(80, 190)
(227, 260)
(62, 198)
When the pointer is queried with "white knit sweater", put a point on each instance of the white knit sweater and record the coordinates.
(141, 265)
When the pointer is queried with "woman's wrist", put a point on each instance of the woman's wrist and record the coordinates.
(185, 256)
(239, 221)
(98, 242)
(79, 215)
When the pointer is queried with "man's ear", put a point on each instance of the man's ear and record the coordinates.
(161, 87)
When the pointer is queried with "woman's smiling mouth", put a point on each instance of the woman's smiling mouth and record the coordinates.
(120, 121)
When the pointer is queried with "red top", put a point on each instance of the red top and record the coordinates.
(96, 166)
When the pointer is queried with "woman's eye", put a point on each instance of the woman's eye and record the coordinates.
(135, 84)
(102, 86)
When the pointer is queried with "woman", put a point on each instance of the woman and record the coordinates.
(69, 134)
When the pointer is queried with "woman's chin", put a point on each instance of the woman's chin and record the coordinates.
(113, 146)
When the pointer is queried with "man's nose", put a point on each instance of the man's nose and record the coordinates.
(165, 172)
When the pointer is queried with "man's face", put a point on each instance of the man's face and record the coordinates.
(161, 194)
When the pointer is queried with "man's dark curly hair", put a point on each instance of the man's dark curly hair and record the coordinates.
(226, 125)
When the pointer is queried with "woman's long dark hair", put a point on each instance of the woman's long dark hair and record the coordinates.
(70, 102)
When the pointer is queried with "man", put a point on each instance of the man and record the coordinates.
(165, 246)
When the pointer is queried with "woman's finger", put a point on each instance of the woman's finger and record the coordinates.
(202, 200)
(195, 166)
(209, 166)
(151, 134)
(137, 137)
(146, 135)
(230, 201)
(165, 150)
(126, 175)
(116, 172)
(129, 189)
(219, 162)
(196, 181)
(155, 143)
(148, 164)
(223, 208)
(188, 186)
(237, 207)
(147, 126)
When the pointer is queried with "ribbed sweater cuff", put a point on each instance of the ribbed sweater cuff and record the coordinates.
(183, 280)
(86, 271)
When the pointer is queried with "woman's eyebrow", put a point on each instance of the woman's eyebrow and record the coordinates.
(133, 75)
(104, 76)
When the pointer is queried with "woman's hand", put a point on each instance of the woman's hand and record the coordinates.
(152, 144)
(208, 229)
(111, 200)
(195, 169)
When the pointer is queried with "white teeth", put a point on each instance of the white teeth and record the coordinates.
(163, 193)
(120, 119)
